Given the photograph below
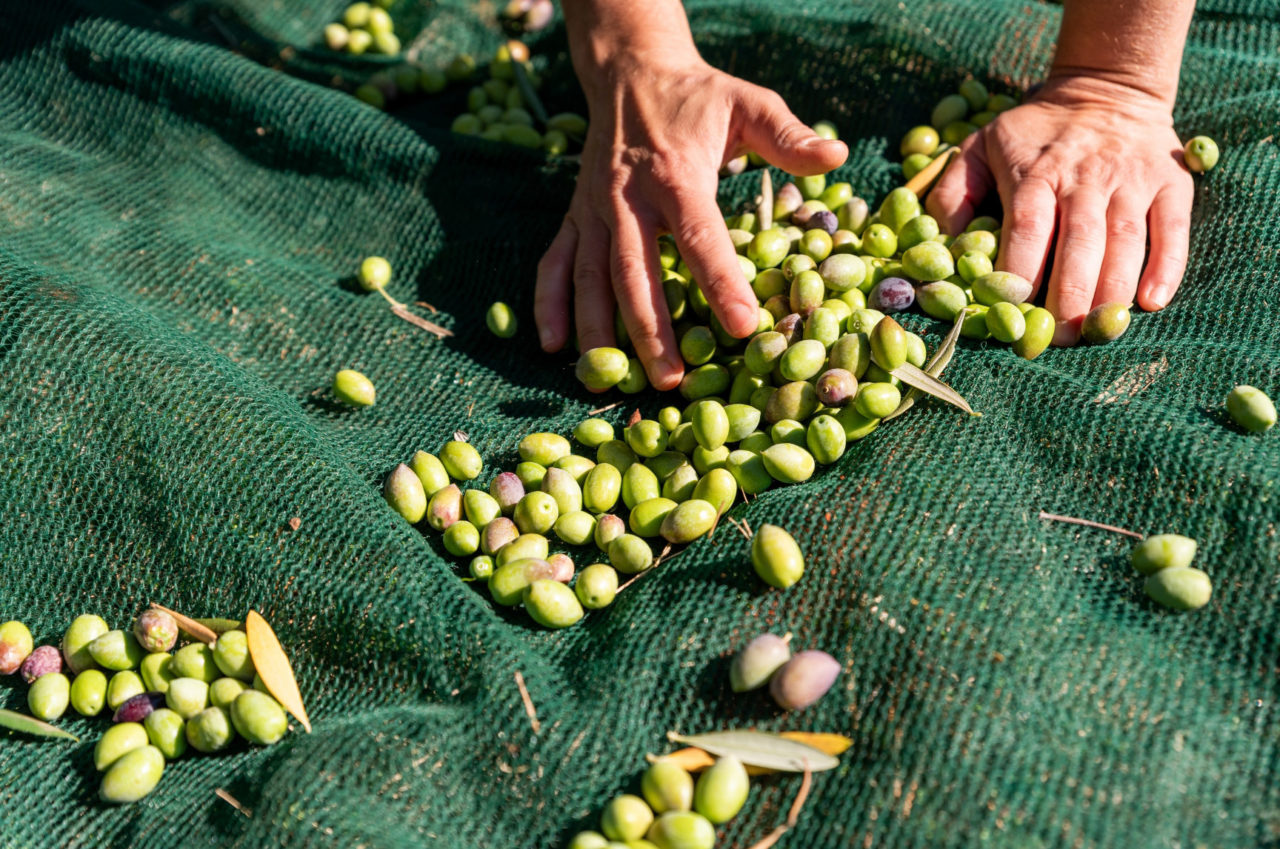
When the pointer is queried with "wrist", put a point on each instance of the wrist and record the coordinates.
(607, 63)
(1081, 87)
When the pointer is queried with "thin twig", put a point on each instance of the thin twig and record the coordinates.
(418, 321)
(600, 410)
(426, 305)
(528, 704)
(741, 525)
(793, 816)
(805, 784)
(1071, 520)
(233, 802)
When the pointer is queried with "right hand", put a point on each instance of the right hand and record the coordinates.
(661, 126)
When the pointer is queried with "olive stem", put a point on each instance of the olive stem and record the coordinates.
(233, 802)
(605, 409)
(1071, 520)
(528, 704)
(793, 815)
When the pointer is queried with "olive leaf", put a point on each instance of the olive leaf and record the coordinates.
(220, 626)
(929, 384)
(528, 94)
(273, 666)
(757, 748)
(30, 725)
(695, 760)
(940, 360)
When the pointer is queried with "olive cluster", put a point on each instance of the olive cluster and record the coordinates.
(954, 118)
(161, 701)
(365, 28)
(675, 812)
(669, 494)
(499, 109)
(1165, 560)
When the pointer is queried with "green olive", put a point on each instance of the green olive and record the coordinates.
(133, 776)
(353, 389)
(1251, 408)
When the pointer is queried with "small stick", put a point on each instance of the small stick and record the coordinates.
(1071, 520)
(426, 305)
(417, 321)
(233, 802)
(805, 784)
(528, 704)
(600, 410)
(921, 183)
(793, 815)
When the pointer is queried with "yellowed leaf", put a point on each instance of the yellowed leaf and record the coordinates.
(273, 666)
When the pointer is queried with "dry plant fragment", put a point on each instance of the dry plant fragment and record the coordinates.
(273, 666)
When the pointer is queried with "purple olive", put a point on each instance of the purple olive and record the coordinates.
(792, 327)
(804, 679)
(836, 387)
(42, 661)
(139, 707)
(825, 221)
(892, 294)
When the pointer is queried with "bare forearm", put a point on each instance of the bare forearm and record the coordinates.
(1135, 43)
(604, 32)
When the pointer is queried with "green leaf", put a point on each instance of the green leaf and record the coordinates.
(929, 384)
(528, 94)
(30, 725)
(757, 748)
(220, 626)
(940, 360)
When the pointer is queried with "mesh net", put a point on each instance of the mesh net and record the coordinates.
(176, 221)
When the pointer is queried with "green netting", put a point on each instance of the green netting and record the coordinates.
(176, 221)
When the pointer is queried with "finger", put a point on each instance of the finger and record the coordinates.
(551, 294)
(1030, 208)
(771, 130)
(1170, 226)
(592, 293)
(1126, 247)
(964, 185)
(1082, 242)
(636, 276)
(706, 248)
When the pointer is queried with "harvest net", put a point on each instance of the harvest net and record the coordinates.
(177, 220)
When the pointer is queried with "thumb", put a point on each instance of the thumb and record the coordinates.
(771, 130)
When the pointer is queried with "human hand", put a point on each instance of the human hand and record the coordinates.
(1094, 168)
(662, 123)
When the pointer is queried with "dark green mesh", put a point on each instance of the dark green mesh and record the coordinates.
(176, 222)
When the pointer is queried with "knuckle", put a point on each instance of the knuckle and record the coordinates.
(630, 266)
(1028, 222)
(644, 328)
(1125, 230)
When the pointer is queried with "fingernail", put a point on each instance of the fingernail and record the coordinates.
(546, 336)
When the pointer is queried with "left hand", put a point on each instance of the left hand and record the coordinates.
(1095, 168)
